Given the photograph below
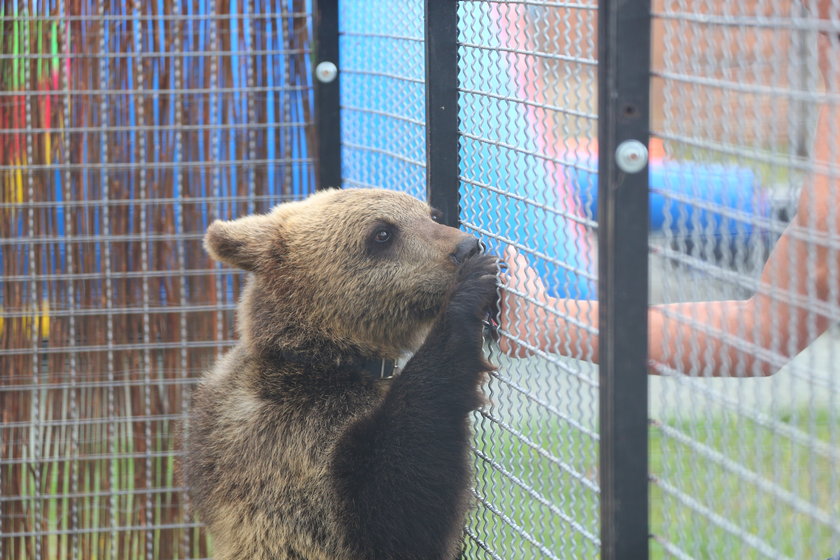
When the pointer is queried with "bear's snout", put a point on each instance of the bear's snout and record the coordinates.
(465, 249)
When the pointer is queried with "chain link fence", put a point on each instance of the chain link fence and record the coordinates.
(528, 116)
(747, 111)
(383, 138)
(125, 128)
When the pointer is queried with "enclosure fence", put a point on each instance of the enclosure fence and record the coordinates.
(661, 177)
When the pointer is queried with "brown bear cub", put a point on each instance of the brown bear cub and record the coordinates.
(299, 447)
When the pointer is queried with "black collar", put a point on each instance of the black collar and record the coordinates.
(380, 368)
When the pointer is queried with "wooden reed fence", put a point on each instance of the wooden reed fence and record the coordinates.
(124, 129)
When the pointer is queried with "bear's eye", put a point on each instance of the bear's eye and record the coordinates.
(437, 216)
(381, 239)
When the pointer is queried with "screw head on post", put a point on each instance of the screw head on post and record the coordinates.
(631, 156)
(326, 72)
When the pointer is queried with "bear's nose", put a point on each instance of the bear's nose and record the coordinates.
(466, 249)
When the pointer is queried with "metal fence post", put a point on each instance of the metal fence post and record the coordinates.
(327, 95)
(441, 42)
(623, 127)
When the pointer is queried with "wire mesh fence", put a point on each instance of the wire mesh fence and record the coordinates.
(382, 95)
(127, 127)
(747, 113)
(528, 116)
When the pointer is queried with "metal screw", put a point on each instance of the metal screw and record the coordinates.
(326, 72)
(631, 156)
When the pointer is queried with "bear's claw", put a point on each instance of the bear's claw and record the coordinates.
(475, 294)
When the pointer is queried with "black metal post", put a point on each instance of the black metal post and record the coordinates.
(624, 77)
(441, 34)
(327, 94)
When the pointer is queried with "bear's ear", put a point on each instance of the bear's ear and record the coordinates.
(239, 243)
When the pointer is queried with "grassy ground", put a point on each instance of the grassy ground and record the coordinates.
(723, 487)
(733, 488)
(726, 487)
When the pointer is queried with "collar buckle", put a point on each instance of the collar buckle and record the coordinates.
(388, 369)
(382, 368)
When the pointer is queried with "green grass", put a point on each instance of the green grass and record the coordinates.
(725, 488)
(763, 482)
(716, 480)
(550, 504)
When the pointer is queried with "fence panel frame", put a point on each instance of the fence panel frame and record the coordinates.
(442, 162)
(327, 95)
(623, 112)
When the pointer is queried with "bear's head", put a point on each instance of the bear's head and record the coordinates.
(358, 269)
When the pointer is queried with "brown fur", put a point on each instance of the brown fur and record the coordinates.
(293, 451)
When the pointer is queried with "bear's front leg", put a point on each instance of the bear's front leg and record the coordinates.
(402, 474)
